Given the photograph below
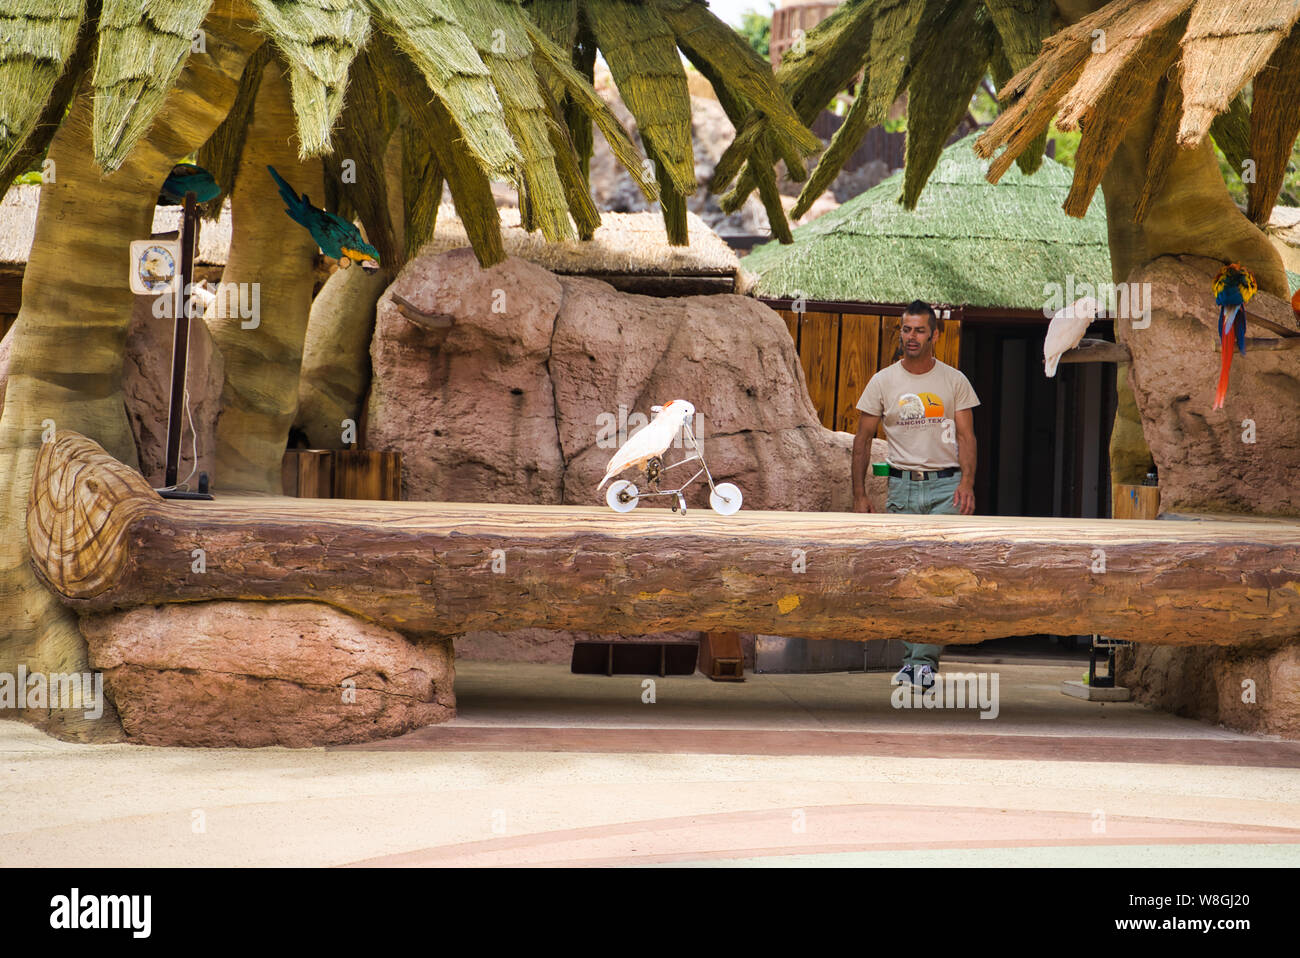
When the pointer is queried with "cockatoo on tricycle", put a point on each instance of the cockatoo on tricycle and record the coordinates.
(645, 451)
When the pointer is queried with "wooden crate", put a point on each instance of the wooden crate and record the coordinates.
(1134, 502)
(343, 474)
(367, 474)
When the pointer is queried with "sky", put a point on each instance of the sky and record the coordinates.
(730, 10)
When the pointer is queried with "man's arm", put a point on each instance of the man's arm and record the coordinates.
(964, 497)
(862, 459)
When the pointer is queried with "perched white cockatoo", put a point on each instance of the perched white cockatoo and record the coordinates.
(651, 440)
(1066, 330)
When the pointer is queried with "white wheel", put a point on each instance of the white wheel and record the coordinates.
(725, 499)
(621, 496)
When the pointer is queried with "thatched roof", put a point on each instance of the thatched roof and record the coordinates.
(967, 243)
(18, 228)
(625, 243)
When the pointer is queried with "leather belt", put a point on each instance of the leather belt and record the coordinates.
(918, 474)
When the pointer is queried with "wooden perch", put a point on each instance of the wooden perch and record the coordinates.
(102, 539)
(1097, 351)
(419, 316)
(1285, 332)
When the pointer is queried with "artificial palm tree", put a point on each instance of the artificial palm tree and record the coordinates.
(116, 91)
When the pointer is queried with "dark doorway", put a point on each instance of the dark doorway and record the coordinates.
(1043, 444)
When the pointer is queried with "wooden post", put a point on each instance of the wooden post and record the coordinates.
(181, 342)
(721, 657)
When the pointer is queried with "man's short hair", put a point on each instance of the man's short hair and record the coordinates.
(918, 308)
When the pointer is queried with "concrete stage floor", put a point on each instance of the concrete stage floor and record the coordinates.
(545, 767)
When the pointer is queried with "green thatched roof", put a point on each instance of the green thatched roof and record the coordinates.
(967, 243)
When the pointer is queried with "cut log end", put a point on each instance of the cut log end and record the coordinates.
(81, 503)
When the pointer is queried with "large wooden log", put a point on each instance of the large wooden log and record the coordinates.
(102, 539)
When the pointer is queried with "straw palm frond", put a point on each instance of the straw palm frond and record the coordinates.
(1022, 25)
(319, 40)
(642, 55)
(434, 40)
(938, 98)
(1226, 44)
(499, 31)
(1215, 48)
(895, 25)
(1096, 74)
(143, 44)
(1274, 126)
(28, 147)
(40, 37)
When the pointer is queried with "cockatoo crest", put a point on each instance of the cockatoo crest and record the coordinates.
(651, 440)
(1066, 330)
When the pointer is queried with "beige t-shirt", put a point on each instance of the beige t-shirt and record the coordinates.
(919, 413)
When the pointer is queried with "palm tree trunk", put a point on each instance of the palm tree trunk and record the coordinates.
(66, 369)
(272, 252)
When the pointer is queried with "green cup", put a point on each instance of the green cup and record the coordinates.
(880, 468)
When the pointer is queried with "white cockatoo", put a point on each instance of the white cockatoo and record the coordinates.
(651, 440)
(1066, 330)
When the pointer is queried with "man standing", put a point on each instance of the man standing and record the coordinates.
(926, 406)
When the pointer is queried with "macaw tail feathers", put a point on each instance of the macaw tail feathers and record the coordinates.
(293, 205)
(1225, 364)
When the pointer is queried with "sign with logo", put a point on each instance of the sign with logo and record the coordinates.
(155, 266)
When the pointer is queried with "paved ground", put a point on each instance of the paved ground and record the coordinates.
(545, 767)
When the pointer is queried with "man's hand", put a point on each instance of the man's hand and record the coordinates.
(862, 504)
(964, 498)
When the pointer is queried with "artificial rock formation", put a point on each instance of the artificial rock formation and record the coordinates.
(1244, 457)
(250, 674)
(520, 399)
(1250, 690)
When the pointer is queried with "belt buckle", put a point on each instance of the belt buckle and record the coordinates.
(918, 475)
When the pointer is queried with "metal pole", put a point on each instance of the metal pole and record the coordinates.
(181, 342)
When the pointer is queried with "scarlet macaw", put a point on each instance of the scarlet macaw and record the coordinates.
(1233, 289)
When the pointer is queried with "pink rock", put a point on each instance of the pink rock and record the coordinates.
(1204, 459)
(250, 674)
(470, 407)
(732, 357)
(1249, 690)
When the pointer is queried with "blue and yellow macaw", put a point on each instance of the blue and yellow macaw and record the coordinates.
(335, 236)
(188, 178)
(1233, 289)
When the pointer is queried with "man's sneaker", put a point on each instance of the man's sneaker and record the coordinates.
(925, 677)
(903, 676)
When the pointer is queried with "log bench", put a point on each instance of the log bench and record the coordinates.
(102, 539)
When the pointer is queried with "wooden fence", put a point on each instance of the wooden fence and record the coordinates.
(841, 351)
